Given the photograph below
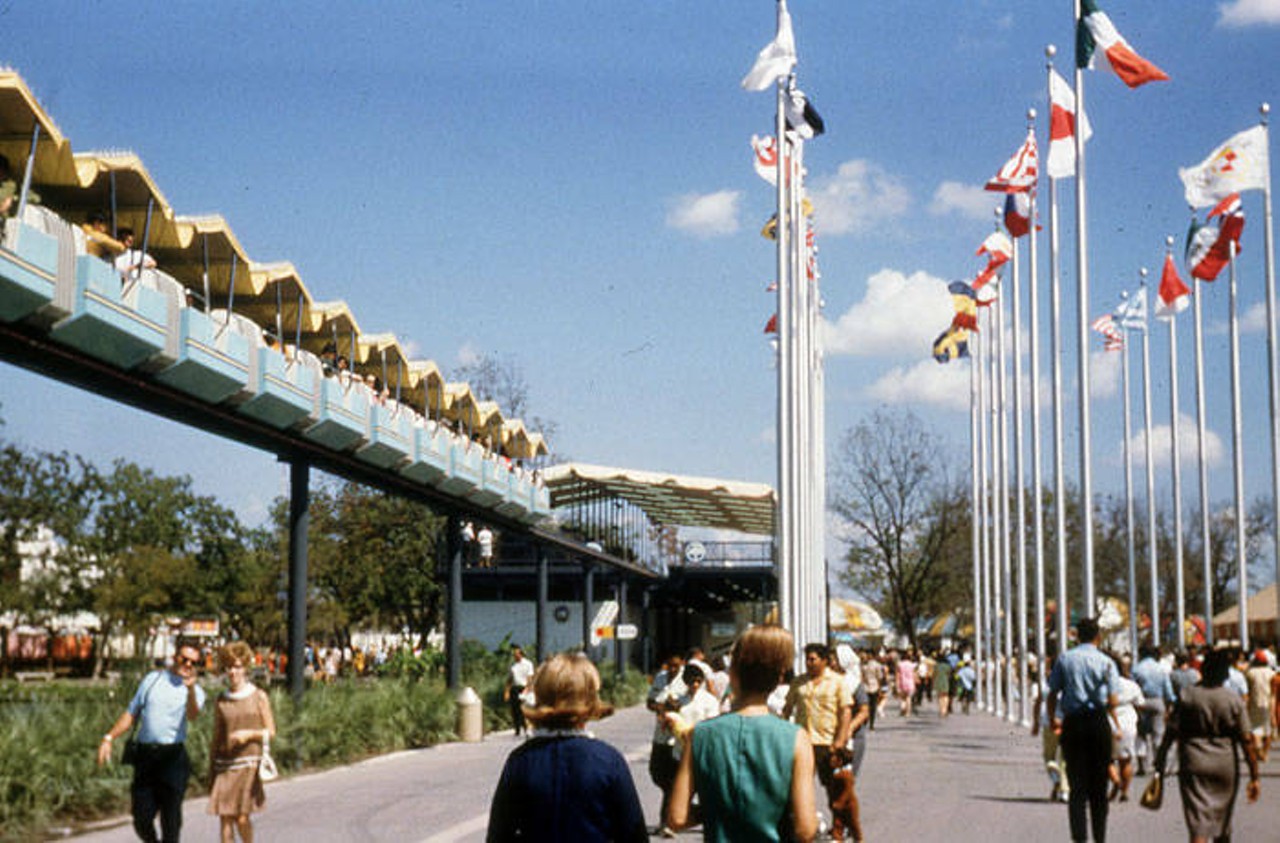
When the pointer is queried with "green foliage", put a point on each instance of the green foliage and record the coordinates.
(630, 690)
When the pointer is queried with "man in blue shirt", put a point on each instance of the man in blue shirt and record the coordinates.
(166, 700)
(1083, 686)
(1157, 692)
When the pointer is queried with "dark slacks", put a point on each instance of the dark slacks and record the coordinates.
(1086, 746)
(159, 784)
(517, 710)
(662, 769)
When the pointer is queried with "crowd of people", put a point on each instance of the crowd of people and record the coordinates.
(1105, 720)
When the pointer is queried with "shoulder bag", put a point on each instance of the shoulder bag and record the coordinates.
(267, 769)
(130, 754)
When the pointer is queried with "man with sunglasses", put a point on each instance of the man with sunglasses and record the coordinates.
(163, 704)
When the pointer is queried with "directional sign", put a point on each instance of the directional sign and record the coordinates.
(604, 618)
(626, 631)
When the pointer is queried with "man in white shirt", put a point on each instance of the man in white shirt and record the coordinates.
(131, 261)
(518, 677)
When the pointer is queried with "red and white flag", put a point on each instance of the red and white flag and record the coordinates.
(1095, 31)
(1018, 175)
(1209, 246)
(765, 157)
(1063, 124)
(771, 327)
(999, 249)
(1175, 295)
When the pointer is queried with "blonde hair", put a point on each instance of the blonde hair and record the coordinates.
(567, 690)
(761, 656)
(236, 651)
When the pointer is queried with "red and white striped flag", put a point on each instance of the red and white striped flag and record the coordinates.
(999, 249)
(1063, 123)
(1018, 175)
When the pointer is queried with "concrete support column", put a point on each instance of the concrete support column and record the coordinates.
(588, 605)
(453, 631)
(544, 576)
(619, 646)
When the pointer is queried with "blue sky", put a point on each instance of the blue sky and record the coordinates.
(569, 185)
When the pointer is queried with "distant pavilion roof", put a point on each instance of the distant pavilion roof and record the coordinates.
(668, 498)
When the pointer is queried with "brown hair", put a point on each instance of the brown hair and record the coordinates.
(236, 651)
(761, 656)
(567, 690)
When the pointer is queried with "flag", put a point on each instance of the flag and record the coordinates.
(772, 288)
(771, 327)
(1095, 30)
(966, 304)
(770, 230)
(951, 344)
(1018, 174)
(1017, 214)
(1131, 313)
(1063, 123)
(778, 57)
(802, 117)
(1209, 245)
(1241, 163)
(999, 249)
(765, 157)
(1174, 292)
(1112, 337)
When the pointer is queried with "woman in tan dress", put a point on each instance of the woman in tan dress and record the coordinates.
(1212, 732)
(242, 721)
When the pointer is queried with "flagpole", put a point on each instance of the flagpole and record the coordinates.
(1006, 558)
(1176, 462)
(1151, 482)
(1055, 330)
(786, 558)
(1020, 503)
(1202, 456)
(1273, 343)
(799, 396)
(999, 503)
(975, 527)
(1128, 495)
(1082, 340)
(1237, 457)
(1037, 480)
(984, 447)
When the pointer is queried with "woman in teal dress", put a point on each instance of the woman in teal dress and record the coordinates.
(752, 771)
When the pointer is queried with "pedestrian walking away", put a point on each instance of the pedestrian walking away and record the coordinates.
(1085, 682)
(164, 703)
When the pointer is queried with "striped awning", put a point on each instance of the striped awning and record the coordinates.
(668, 498)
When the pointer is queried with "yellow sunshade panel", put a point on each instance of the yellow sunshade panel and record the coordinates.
(490, 419)
(460, 405)
(19, 114)
(538, 445)
(515, 439)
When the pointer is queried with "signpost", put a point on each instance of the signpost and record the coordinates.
(605, 616)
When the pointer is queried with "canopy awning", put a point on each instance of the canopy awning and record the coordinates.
(1261, 605)
(668, 498)
(852, 616)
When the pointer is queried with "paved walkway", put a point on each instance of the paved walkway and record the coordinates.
(971, 778)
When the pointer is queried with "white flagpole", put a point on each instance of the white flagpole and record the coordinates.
(984, 447)
(1180, 617)
(799, 405)
(1273, 367)
(1082, 339)
(1006, 558)
(1055, 355)
(999, 502)
(785, 525)
(1020, 504)
(1037, 479)
(1202, 455)
(1128, 496)
(1237, 458)
(1151, 482)
(975, 506)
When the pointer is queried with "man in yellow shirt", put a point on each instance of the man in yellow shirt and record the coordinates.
(823, 707)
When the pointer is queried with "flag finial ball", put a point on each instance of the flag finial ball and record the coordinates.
(1031, 114)
(1168, 241)
(1050, 51)
(1143, 272)
(1265, 109)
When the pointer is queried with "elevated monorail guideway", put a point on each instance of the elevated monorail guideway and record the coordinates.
(201, 334)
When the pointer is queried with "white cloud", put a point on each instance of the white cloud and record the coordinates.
(967, 200)
(927, 382)
(1104, 373)
(858, 198)
(1242, 13)
(706, 215)
(899, 315)
(1188, 445)
(1254, 319)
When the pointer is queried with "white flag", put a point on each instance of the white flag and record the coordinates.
(777, 58)
(1239, 164)
(765, 158)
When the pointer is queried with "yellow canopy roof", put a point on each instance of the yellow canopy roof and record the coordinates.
(668, 498)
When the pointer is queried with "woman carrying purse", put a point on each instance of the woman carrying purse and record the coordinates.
(242, 725)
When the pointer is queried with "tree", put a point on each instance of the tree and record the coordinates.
(904, 521)
(494, 378)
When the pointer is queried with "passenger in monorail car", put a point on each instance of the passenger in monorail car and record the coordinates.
(98, 239)
(132, 261)
(10, 190)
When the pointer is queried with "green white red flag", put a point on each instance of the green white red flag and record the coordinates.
(1094, 32)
